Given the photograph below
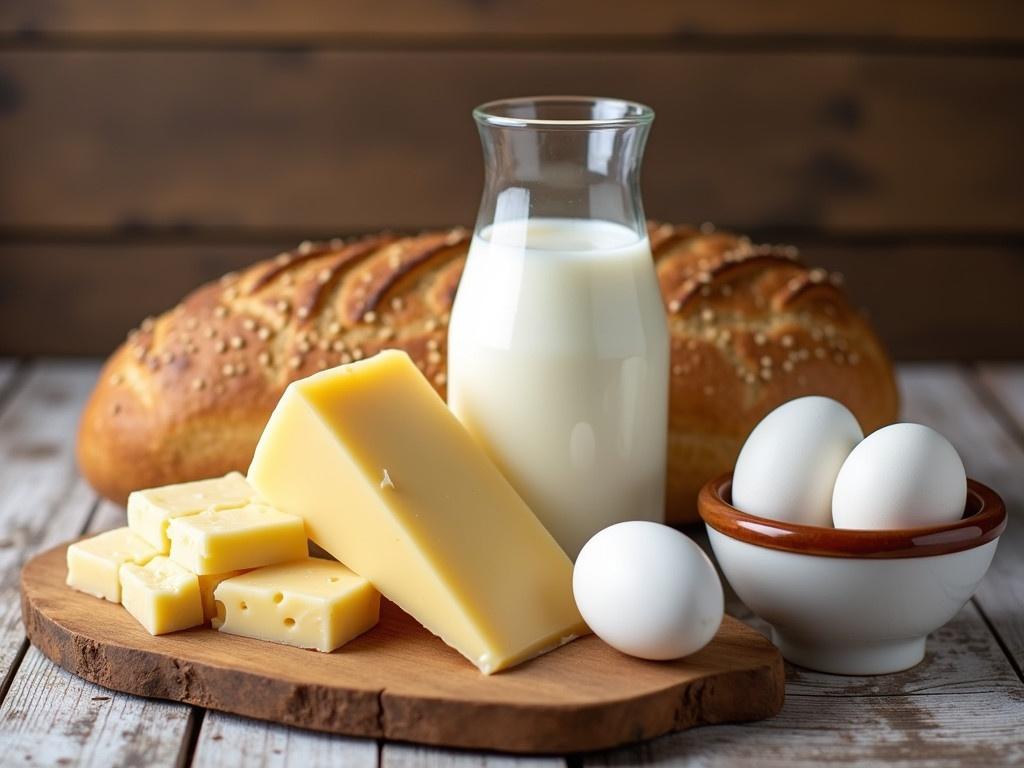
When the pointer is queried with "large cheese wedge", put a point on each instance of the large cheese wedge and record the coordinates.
(392, 485)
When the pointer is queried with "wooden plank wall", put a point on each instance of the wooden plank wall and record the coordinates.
(145, 147)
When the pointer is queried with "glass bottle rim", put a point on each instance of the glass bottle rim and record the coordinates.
(557, 112)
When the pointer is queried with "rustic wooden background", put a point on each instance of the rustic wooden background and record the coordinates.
(147, 146)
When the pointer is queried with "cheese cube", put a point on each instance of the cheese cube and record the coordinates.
(310, 603)
(93, 563)
(207, 584)
(220, 540)
(392, 485)
(150, 510)
(161, 595)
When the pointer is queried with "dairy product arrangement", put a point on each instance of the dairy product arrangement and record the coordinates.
(511, 536)
(468, 517)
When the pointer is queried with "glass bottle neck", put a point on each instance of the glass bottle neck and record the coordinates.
(562, 168)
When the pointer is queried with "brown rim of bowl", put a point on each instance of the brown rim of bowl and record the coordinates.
(984, 520)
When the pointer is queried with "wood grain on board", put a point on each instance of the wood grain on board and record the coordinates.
(400, 682)
(449, 20)
(340, 140)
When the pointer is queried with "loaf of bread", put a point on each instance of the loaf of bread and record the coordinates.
(189, 392)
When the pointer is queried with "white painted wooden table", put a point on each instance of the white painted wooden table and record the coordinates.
(963, 706)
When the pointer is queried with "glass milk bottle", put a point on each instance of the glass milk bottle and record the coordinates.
(558, 350)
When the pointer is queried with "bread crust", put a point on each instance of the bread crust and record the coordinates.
(188, 393)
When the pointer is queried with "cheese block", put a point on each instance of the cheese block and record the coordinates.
(93, 563)
(220, 540)
(310, 603)
(161, 595)
(149, 511)
(208, 582)
(391, 484)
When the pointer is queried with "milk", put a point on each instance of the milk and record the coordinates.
(558, 365)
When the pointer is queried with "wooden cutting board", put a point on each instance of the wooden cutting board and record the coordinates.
(400, 682)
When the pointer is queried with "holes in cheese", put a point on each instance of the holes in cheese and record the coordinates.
(447, 538)
(207, 584)
(310, 603)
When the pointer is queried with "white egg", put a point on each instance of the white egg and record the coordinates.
(902, 476)
(788, 465)
(648, 591)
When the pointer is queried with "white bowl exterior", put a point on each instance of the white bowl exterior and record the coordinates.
(823, 605)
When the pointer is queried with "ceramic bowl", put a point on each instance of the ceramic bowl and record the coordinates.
(852, 602)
